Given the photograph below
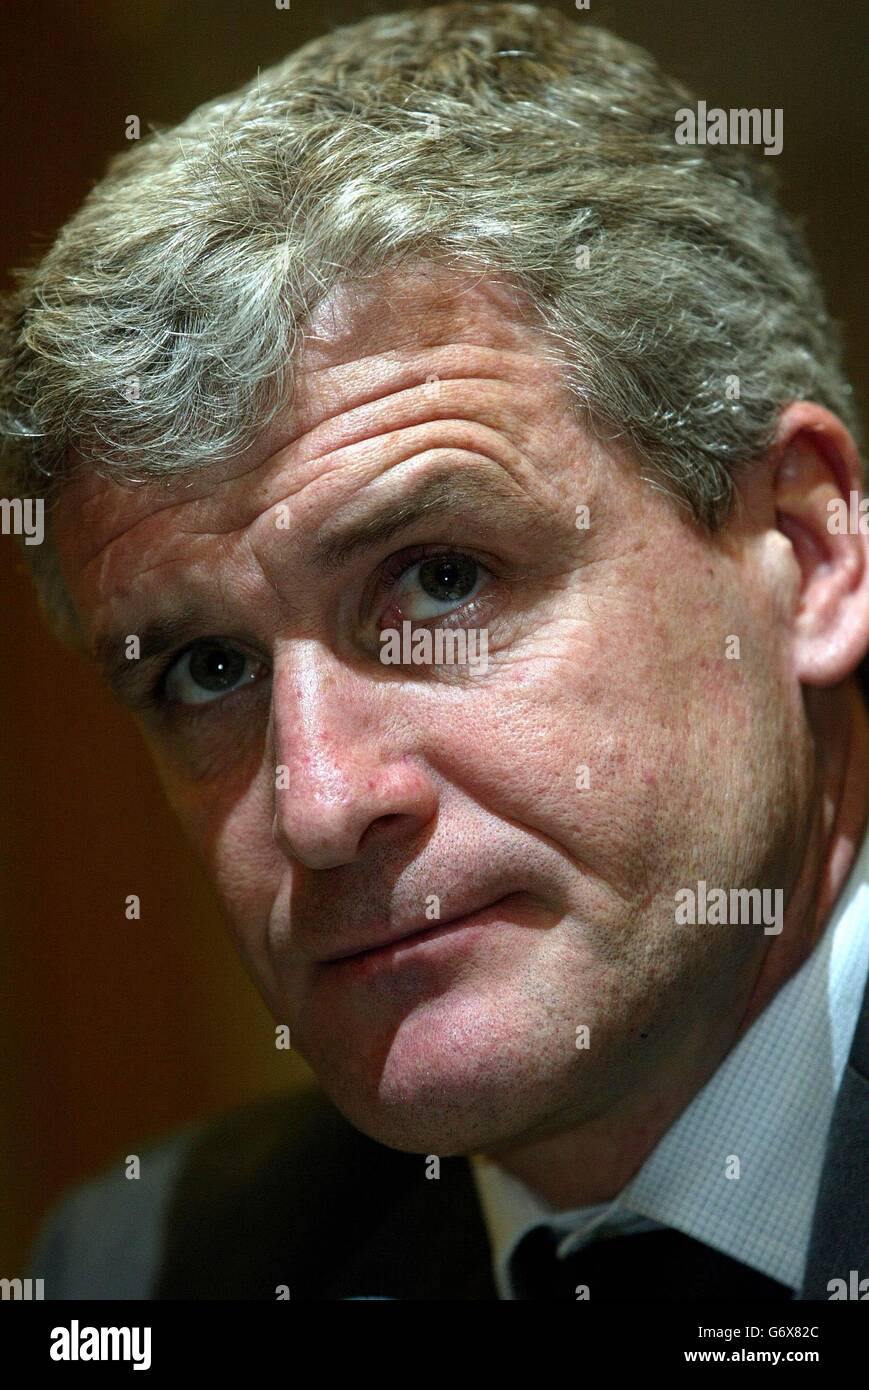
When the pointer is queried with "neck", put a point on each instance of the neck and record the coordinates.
(593, 1162)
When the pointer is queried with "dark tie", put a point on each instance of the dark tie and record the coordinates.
(647, 1265)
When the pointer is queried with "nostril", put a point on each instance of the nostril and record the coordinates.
(382, 824)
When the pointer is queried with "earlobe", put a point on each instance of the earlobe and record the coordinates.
(818, 488)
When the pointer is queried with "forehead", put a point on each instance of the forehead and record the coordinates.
(366, 343)
(418, 306)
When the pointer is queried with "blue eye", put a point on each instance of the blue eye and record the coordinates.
(208, 670)
(444, 583)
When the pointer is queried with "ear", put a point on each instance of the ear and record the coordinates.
(821, 510)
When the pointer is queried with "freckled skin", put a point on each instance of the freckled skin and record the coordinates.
(606, 648)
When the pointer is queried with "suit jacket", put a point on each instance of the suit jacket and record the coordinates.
(287, 1192)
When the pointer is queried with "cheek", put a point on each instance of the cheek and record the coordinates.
(617, 734)
(246, 864)
(229, 824)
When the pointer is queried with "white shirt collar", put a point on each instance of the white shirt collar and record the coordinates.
(768, 1105)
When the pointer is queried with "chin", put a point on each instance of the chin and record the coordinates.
(423, 1128)
(430, 1093)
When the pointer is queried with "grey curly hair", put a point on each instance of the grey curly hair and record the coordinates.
(158, 334)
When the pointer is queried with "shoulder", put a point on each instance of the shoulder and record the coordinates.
(101, 1238)
(207, 1187)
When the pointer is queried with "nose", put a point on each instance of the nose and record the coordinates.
(339, 789)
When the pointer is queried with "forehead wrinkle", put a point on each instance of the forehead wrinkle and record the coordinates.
(349, 384)
(304, 432)
(300, 451)
(523, 367)
(446, 487)
(339, 410)
(370, 460)
(349, 397)
(442, 490)
(389, 415)
(439, 494)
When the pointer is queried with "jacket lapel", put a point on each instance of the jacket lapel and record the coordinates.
(287, 1194)
(840, 1226)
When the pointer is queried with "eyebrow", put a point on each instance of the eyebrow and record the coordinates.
(155, 637)
(437, 495)
(441, 494)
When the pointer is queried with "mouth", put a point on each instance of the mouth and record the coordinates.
(406, 941)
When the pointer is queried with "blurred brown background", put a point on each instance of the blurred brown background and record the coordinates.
(113, 1032)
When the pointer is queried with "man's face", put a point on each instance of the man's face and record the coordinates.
(340, 802)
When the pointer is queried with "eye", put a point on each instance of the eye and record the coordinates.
(207, 670)
(437, 584)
